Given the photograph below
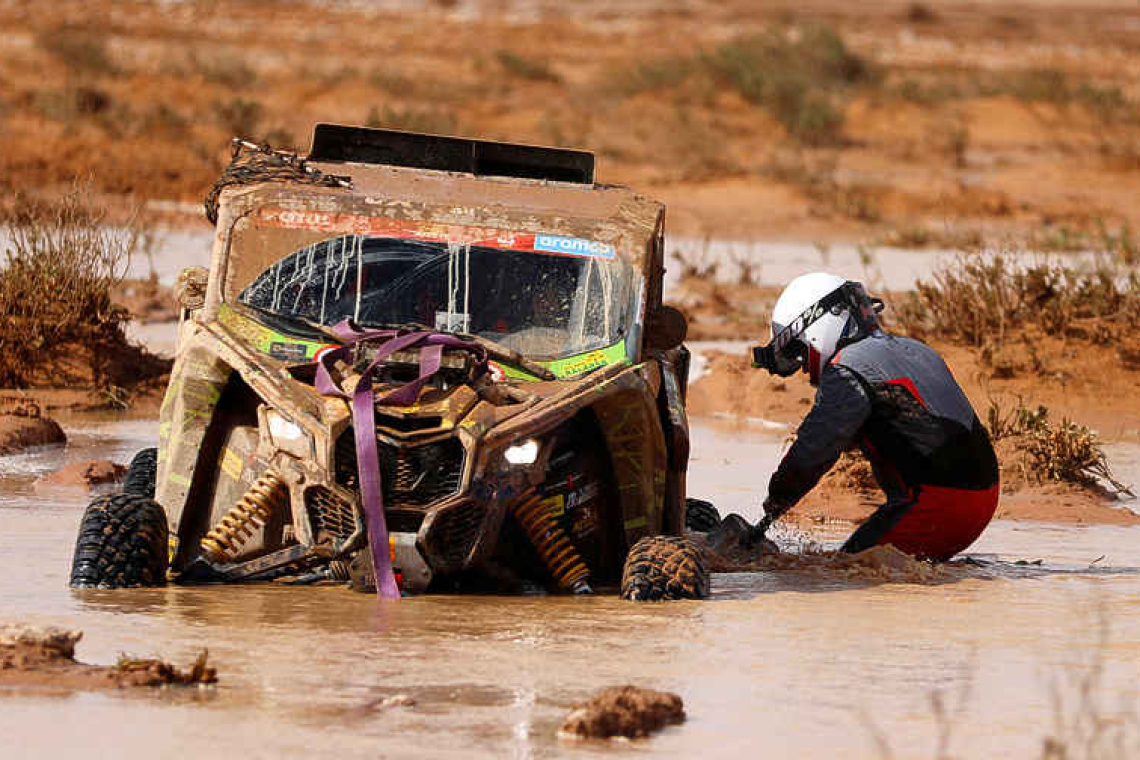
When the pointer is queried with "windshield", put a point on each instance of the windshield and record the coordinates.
(544, 305)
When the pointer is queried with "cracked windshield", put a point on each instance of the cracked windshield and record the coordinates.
(539, 304)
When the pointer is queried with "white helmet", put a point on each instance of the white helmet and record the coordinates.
(812, 317)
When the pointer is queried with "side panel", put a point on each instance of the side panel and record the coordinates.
(632, 429)
(671, 407)
(192, 396)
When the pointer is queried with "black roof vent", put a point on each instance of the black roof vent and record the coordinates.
(335, 142)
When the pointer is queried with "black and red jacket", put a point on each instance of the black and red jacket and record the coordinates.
(895, 398)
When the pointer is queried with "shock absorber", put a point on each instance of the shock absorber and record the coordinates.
(253, 509)
(553, 545)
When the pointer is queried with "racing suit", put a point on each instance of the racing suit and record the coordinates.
(896, 400)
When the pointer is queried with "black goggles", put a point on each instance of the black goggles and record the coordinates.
(786, 353)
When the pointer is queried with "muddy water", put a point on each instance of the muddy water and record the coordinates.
(776, 662)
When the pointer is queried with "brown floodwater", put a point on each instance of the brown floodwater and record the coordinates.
(776, 663)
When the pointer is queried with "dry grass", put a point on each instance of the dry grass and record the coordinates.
(1052, 451)
(58, 324)
(982, 300)
(1084, 728)
(526, 68)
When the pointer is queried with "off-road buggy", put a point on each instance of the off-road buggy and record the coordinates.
(433, 361)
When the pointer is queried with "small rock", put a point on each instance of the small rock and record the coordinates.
(26, 428)
(627, 711)
(95, 472)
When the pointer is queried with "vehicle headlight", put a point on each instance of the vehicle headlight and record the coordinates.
(522, 453)
(288, 436)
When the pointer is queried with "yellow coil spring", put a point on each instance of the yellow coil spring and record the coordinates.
(553, 545)
(264, 497)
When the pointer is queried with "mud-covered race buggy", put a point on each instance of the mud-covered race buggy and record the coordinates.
(435, 362)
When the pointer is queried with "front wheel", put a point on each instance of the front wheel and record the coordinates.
(142, 473)
(700, 516)
(122, 543)
(665, 567)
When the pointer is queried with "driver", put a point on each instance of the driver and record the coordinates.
(895, 399)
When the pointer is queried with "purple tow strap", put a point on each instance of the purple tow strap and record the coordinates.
(364, 403)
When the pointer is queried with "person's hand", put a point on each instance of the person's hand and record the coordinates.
(757, 531)
(772, 513)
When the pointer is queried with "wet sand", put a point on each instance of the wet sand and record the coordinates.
(783, 663)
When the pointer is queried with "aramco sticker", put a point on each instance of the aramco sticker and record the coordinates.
(571, 246)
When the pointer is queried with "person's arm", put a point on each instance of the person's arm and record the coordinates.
(841, 407)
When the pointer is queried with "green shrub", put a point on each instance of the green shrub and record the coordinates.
(649, 75)
(525, 68)
(412, 119)
(239, 116)
(799, 76)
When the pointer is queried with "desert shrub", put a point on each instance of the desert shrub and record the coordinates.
(797, 76)
(919, 13)
(61, 264)
(1046, 85)
(978, 299)
(649, 75)
(412, 119)
(526, 68)
(1059, 451)
(239, 116)
(226, 69)
(81, 50)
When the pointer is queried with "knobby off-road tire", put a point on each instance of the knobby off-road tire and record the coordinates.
(665, 567)
(142, 473)
(122, 543)
(700, 516)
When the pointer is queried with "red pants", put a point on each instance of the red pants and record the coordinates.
(941, 523)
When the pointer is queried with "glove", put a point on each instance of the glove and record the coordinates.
(772, 513)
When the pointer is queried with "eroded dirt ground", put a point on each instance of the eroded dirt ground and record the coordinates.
(948, 122)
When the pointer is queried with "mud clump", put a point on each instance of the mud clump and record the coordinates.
(728, 546)
(877, 564)
(96, 472)
(45, 658)
(623, 711)
(26, 427)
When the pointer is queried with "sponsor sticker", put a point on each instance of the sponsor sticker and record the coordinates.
(582, 495)
(232, 464)
(584, 363)
(571, 246)
(556, 504)
(288, 352)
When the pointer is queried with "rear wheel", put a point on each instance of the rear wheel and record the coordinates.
(665, 567)
(700, 516)
(142, 473)
(122, 543)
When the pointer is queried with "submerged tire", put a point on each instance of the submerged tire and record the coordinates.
(700, 516)
(122, 543)
(142, 473)
(665, 567)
